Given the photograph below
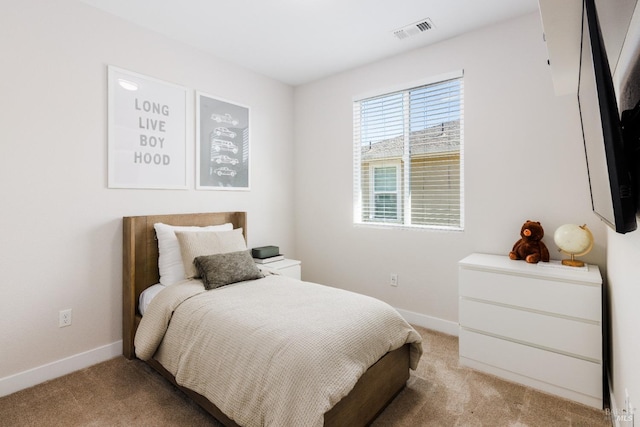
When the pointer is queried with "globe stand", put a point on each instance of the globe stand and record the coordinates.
(573, 262)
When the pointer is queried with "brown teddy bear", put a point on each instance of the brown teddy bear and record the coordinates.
(530, 247)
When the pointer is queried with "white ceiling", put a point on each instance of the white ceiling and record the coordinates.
(298, 41)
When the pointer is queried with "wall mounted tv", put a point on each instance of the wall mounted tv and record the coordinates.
(608, 159)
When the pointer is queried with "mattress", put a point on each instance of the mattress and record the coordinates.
(147, 295)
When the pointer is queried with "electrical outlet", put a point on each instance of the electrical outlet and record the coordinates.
(393, 279)
(64, 318)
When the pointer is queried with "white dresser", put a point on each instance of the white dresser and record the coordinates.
(535, 324)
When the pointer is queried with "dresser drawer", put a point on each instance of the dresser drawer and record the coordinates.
(556, 369)
(574, 337)
(560, 297)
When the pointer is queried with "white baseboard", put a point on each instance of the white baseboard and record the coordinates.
(613, 409)
(445, 326)
(619, 418)
(56, 369)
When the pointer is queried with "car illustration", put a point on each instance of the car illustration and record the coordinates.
(223, 145)
(223, 131)
(221, 158)
(224, 171)
(224, 118)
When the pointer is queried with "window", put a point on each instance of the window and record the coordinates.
(408, 156)
(385, 190)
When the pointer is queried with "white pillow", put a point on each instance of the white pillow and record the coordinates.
(197, 244)
(169, 259)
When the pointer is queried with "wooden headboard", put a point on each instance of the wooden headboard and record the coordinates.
(140, 260)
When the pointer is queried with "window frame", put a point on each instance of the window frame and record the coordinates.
(404, 183)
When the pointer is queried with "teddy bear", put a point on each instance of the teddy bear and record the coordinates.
(530, 247)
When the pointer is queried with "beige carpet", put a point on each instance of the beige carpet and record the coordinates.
(121, 392)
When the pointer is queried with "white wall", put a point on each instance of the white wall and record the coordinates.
(624, 297)
(60, 224)
(623, 253)
(523, 155)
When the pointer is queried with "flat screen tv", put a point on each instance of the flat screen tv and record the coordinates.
(608, 160)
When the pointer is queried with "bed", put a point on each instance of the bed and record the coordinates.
(372, 392)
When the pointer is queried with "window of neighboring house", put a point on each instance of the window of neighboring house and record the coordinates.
(386, 192)
(408, 156)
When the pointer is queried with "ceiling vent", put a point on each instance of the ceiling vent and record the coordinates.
(413, 29)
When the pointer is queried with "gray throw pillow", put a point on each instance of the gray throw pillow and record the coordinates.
(223, 269)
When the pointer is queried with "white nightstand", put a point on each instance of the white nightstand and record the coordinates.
(286, 267)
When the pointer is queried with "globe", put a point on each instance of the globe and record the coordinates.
(574, 240)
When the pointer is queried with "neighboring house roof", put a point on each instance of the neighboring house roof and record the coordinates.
(443, 138)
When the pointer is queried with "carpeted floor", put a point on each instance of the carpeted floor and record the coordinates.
(123, 392)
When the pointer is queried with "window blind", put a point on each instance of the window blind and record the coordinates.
(408, 157)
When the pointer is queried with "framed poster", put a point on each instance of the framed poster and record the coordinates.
(222, 144)
(147, 132)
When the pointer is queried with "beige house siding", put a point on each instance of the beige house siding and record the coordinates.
(435, 190)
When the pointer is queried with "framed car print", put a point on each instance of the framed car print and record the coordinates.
(222, 144)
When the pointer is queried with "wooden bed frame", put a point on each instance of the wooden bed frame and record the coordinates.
(371, 394)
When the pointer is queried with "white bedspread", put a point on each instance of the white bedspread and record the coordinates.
(273, 351)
